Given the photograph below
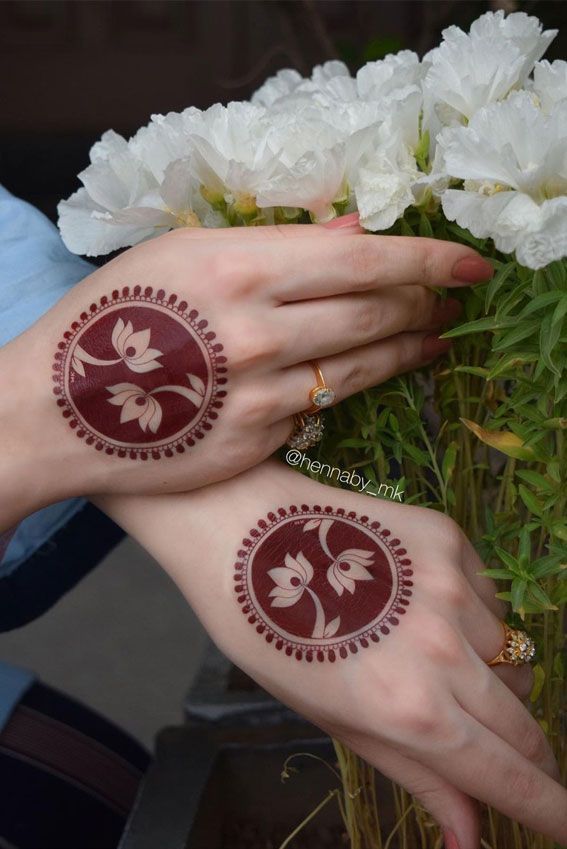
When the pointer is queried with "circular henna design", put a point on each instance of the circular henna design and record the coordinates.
(140, 375)
(321, 584)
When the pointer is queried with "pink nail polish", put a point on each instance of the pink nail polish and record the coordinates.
(450, 840)
(472, 269)
(433, 346)
(344, 221)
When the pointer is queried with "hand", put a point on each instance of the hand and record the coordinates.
(193, 349)
(421, 705)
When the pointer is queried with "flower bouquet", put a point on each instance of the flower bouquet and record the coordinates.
(467, 144)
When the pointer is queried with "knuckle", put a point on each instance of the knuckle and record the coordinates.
(535, 743)
(253, 346)
(364, 322)
(232, 272)
(427, 262)
(441, 643)
(256, 408)
(354, 379)
(524, 785)
(419, 715)
(363, 260)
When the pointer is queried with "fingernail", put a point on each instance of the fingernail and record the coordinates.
(472, 269)
(351, 220)
(450, 840)
(433, 346)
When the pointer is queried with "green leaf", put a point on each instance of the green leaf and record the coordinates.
(541, 597)
(497, 282)
(530, 500)
(560, 311)
(517, 334)
(535, 479)
(479, 326)
(539, 679)
(518, 591)
(465, 236)
(477, 371)
(548, 338)
(497, 574)
(539, 302)
(449, 461)
(425, 228)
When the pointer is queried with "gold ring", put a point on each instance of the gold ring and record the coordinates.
(518, 648)
(321, 395)
(307, 431)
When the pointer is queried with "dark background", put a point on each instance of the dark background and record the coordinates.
(70, 69)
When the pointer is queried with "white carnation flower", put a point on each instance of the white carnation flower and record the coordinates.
(319, 152)
(513, 160)
(384, 79)
(122, 203)
(467, 72)
(550, 83)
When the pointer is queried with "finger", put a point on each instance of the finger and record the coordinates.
(484, 587)
(453, 810)
(343, 225)
(326, 326)
(350, 372)
(458, 603)
(488, 768)
(318, 267)
(489, 701)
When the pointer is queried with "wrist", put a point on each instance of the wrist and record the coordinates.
(38, 466)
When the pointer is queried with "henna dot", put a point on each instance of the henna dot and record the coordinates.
(407, 572)
(189, 441)
(182, 306)
(353, 648)
(148, 291)
(212, 415)
(304, 508)
(316, 508)
(67, 335)
(133, 455)
(221, 359)
(281, 511)
(332, 656)
(272, 517)
(210, 336)
(364, 519)
(405, 562)
(207, 426)
(199, 434)
(246, 542)
(202, 324)
(298, 654)
(262, 524)
(309, 656)
(66, 413)
(246, 608)
(221, 393)
(61, 402)
(295, 582)
(344, 567)
(58, 356)
(364, 643)
(160, 295)
(137, 290)
(115, 294)
(57, 391)
(400, 610)
(393, 620)
(252, 619)
(407, 583)
(260, 628)
(221, 381)
(254, 533)
(103, 301)
(73, 423)
(126, 291)
(394, 542)
(401, 551)
(375, 638)
(292, 508)
(61, 346)
(269, 638)
(352, 515)
(288, 651)
(140, 402)
(172, 299)
(180, 449)
(343, 652)
(83, 317)
(121, 453)
(109, 451)
(80, 433)
(375, 525)
(168, 452)
(328, 509)
(385, 532)
(384, 629)
(217, 348)
(90, 440)
(93, 307)
(193, 314)
(404, 601)
(320, 656)
(156, 455)
(143, 455)
(99, 446)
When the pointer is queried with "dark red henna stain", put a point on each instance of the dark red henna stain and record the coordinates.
(139, 375)
(323, 584)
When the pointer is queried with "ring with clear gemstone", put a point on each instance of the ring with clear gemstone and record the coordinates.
(322, 396)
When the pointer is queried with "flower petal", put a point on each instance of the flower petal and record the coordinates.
(139, 341)
(197, 384)
(132, 410)
(283, 576)
(285, 602)
(142, 368)
(116, 331)
(305, 567)
(122, 337)
(332, 627)
(333, 580)
(155, 419)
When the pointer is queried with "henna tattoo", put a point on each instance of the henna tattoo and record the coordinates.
(140, 375)
(322, 583)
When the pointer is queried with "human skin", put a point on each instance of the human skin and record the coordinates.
(421, 704)
(193, 349)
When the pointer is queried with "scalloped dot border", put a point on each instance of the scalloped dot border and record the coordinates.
(343, 648)
(128, 295)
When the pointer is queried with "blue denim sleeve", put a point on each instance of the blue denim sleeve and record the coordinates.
(36, 270)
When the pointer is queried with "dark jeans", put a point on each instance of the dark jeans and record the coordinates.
(68, 777)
